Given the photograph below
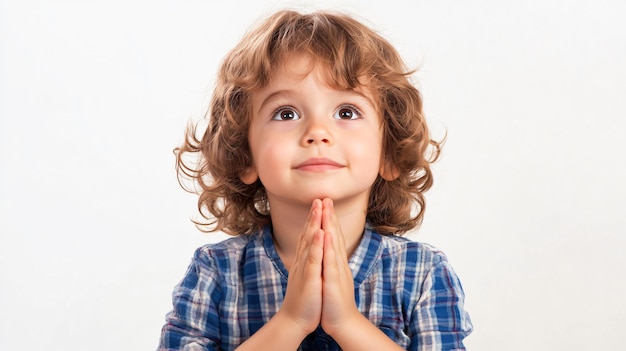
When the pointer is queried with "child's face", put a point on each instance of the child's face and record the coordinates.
(310, 141)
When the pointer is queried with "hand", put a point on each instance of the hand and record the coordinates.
(338, 305)
(303, 298)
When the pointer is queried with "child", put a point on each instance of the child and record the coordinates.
(316, 158)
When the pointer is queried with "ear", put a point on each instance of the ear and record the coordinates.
(249, 175)
(388, 171)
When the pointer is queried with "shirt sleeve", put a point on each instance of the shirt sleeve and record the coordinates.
(440, 321)
(193, 324)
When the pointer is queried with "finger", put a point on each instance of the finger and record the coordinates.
(330, 270)
(330, 222)
(341, 239)
(313, 223)
(315, 256)
(327, 215)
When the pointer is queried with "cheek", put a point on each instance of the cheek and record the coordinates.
(368, 148)
(372, 160)
(270, 156)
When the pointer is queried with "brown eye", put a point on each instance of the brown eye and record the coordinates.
(344, 113)
(347, 113)
(286, 114)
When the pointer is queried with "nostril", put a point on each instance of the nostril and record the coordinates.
(318, 140)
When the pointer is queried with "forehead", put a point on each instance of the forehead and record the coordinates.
(295, 67)
(298, 66)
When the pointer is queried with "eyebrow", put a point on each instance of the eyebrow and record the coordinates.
(281, 92)
(271, 97)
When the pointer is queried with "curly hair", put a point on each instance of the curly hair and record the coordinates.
(350, 51)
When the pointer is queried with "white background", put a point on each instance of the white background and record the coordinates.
(529, 193)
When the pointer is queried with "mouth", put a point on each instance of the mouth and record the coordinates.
(318, 164)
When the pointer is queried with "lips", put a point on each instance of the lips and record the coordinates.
(318, 164)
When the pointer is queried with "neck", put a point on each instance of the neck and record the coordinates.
(288, 220)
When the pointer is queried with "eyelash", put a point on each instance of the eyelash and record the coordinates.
(353, 109)
(275, 114)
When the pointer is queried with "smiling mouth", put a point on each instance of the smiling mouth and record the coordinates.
(318, 164)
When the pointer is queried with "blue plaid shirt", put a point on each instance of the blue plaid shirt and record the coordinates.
(231, 289)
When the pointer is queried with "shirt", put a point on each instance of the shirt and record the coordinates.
(232, 288)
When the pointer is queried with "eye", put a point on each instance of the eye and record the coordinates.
(286, 113)
(347, 113)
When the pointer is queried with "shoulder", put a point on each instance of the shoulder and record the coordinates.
(406, 249)
(228, 247)
(227, 255)
(409, 261)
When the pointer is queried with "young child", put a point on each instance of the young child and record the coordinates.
(316, 158)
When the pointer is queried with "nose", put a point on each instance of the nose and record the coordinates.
(317, 132)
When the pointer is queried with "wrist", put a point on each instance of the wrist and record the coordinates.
(346, 326)
(279, 333)
(288, 324)
(362, 335)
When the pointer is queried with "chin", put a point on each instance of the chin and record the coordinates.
(323, 196)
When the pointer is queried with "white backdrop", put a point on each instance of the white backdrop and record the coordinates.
(528, 201)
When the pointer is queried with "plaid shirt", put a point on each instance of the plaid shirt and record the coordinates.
(231, 289)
